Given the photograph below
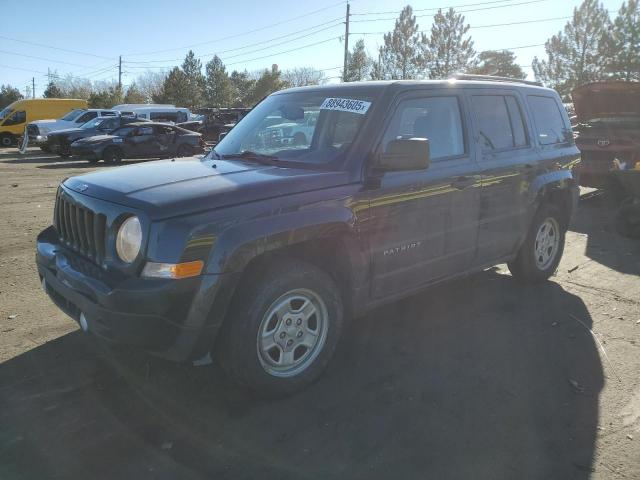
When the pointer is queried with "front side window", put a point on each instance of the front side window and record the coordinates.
(434, 118)
(123, 131)
(500, 123)
(5, 112)
(550, 124)
(16, 118)
(307, 127)
(145, 131)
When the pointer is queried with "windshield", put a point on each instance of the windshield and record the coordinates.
(72, 115)
(309, 127)
(95, 123)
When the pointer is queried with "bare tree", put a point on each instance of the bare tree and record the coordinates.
(302, 76)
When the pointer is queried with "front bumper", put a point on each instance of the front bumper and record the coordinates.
(168, 318)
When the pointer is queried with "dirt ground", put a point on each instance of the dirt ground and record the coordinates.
(480, 378)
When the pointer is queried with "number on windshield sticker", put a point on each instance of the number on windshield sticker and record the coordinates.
(346, 105)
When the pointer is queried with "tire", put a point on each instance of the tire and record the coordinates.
(112, 155)
(540, 254)
(299, 139)
(44, 148)
(184, 151)
(272, 303)
(6, 140)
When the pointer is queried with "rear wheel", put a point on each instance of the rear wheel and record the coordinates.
(112, 155)
(284, 329)
(184, 151)
(540, 254)
(6, 140)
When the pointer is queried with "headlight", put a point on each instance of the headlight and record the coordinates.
(129, 239)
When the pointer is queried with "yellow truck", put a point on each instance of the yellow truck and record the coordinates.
(15, 117)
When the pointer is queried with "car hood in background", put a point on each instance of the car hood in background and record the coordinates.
(51, 125)
(69, 131)
(167, 188)
(606, 99)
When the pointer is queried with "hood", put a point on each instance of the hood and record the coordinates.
(167, 188)
(51, 125)
(69, 131)
(606, 99)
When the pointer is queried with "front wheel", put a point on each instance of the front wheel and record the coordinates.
(283, 330)
(6, 140)
(540, 254)
(112, 155)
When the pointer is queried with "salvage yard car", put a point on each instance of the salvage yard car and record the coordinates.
(608, 131)
(139, 140)
(259, 253)
(37, 131)
(60, 141)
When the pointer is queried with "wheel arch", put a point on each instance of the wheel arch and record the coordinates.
(557, 188)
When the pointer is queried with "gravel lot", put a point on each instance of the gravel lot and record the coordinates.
(480, 378)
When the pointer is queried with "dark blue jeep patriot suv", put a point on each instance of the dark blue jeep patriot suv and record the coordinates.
(259, 252)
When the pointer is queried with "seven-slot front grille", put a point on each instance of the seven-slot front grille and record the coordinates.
(81, 229)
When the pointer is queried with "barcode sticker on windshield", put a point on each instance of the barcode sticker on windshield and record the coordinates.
(346, 105)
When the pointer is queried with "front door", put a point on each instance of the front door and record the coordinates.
(142, 143)
(423, 224)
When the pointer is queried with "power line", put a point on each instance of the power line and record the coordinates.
(249, 45)
(22, 69)
(286, 51)
(241, 33)
(45, 59)
(461, 11)
(54, 48)
(434, 9)
(472, 27)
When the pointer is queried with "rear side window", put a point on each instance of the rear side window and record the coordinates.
(550, 125)
(500, 123)
(435, 118)
(85, 117)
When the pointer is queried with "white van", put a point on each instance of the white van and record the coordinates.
(155, 112)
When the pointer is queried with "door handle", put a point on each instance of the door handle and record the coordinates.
(463, 182)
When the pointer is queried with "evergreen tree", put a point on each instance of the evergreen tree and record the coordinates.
(402, 55)
(134, 94)
(450, 49)
(579, 53)
(105, 98)
(268, 82)
(52, 91)
(358, 63)
(173, 89)
(218, 86)
(194, 81)
(498, 62)
(625, 43)
(243, 86)
(8, 95)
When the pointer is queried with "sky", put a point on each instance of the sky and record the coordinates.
(86, 38)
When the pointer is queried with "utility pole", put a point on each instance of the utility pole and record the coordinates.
(120, 74)
(33, 89)
(346, 44)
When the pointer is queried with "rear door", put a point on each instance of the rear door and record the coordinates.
(142, 143)
(423, 224)
(507, 160)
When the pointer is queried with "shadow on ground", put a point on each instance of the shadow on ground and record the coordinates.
(481, 378)
(595, 218)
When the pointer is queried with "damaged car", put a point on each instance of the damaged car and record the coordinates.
(139, 140)
(608, 130)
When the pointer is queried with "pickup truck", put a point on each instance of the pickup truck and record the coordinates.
(258, 254)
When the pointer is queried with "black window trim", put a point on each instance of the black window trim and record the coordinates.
(423, 94)
(502, 94)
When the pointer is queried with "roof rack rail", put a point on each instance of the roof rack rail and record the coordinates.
(494, 78)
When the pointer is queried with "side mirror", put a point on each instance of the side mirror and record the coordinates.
(405, 154)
